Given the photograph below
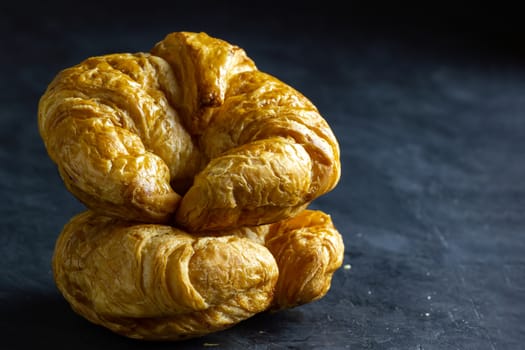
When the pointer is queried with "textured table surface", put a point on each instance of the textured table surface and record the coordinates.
(430, 204)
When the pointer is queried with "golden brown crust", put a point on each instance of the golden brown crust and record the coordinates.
(156, 282)
(271, 154)
(308, 249)
(192, 130)
(204, 66)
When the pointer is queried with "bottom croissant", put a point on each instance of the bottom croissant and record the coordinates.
(157, 282)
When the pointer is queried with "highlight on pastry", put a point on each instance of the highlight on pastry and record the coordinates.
(197, 170)
(192, 132)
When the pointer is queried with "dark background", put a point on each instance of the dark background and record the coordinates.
(428, 104)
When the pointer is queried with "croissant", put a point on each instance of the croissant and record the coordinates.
(191, 133)
(157, 282)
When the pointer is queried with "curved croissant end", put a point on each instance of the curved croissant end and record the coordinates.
(118, 143)
(308, 250)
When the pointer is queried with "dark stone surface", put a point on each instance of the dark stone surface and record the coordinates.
(429, 112)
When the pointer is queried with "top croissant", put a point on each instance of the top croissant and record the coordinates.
(191, 132)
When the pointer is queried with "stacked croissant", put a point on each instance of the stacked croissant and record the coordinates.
(196, 169)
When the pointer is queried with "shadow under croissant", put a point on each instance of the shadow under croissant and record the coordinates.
(43, 317)
(49, 318)
(29, 315)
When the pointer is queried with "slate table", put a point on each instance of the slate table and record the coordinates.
(431, 202)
